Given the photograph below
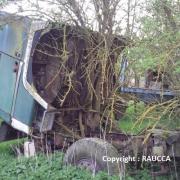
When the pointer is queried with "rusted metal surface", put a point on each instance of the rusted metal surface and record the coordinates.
(60, 77)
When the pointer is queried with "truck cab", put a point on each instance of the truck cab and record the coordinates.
(28, 63)
(22, 99)
(18, 98)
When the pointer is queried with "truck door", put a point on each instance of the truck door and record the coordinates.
(11, 43)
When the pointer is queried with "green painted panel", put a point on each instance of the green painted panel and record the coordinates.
(12, 38)
(7, 83)
(5, 116)
(25, 105)
(13, 42)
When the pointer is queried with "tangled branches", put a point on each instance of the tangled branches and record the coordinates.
(74, 68)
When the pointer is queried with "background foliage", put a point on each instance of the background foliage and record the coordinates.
(157, 44)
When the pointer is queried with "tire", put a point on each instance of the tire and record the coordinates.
(89, 152)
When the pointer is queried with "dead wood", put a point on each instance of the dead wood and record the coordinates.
(73, 68)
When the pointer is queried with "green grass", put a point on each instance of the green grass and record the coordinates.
(7, 146)
(40, 167)
(128, 124)
(51, 167)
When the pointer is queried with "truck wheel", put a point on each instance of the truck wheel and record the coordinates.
(92, 153)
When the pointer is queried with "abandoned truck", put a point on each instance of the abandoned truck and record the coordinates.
(49, 89)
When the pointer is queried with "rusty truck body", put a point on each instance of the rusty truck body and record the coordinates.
(26, 106)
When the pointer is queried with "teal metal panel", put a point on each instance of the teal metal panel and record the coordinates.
(12, 38)
(13, 42)
(5, 116)
(15, 100)
(24, 103)
(24, 106)
(7, 83)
